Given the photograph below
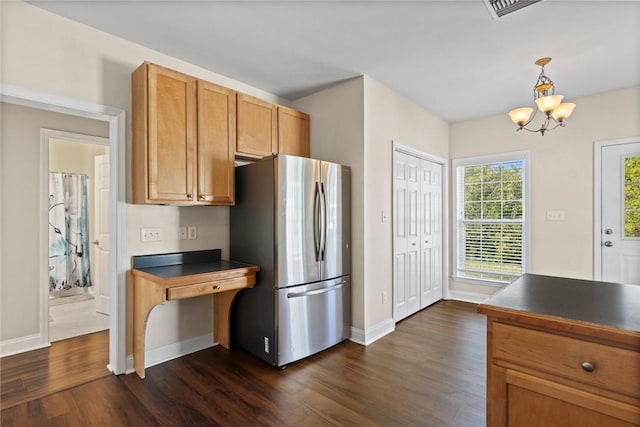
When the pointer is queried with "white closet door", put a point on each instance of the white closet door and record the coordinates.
(406, 236)
(430, 233)
(417, 234)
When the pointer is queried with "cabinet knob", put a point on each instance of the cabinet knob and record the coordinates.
(203, 196)
(588, 367)
(189, 196)
(217, 287)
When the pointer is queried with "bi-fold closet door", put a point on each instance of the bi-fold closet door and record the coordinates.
(417, 234)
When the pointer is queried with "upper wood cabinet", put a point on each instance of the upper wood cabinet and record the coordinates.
(257, 128)
(293, 132)
(216, 144)
(183, 136)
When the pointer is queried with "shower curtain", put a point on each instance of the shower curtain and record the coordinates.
(68, 232)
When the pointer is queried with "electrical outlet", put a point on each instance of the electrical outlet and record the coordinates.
(384, 297)
(192, 232)
(555, 215)
(151, 234)
(183, 233)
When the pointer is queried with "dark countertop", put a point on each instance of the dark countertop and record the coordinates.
(179, 264)
(602, 303)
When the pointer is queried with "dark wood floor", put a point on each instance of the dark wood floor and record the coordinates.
(64, 364)
(429, 372)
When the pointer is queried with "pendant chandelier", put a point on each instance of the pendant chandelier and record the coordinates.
(546, 101)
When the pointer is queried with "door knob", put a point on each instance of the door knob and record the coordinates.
(95, 242)
(608, 231)
(608, 243)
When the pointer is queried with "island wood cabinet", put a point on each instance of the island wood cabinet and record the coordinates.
(183, 138)
(293, 132)
(551, 371)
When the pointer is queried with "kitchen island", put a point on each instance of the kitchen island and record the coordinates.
(167, 277)
(563, 352)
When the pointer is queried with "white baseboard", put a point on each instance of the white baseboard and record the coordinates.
(466, 296)
(373, 333)
(172, 351)
(22, 344)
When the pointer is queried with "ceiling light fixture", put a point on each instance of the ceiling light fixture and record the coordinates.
(544, 95)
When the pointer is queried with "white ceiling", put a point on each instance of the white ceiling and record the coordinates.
(451, 57)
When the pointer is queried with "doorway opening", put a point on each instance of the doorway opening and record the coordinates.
(115, 118)
(78, 230)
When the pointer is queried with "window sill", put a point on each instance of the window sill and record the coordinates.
(481, 282)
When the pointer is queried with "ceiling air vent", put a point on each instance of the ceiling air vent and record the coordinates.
(500, 8)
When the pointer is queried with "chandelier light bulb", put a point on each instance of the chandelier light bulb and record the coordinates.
(520, 115)
(548, 103)
(563, 111)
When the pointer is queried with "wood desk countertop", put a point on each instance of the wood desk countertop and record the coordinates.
(168, 277)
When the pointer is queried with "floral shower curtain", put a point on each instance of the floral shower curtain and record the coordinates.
(68, 231)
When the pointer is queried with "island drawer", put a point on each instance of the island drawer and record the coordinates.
(615, 369)
(189, 291)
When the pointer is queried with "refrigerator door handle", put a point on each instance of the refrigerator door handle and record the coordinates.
(316, 222)
(315, 292)
(323, 235)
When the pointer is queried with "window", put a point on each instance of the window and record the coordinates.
(632, 197)
(491, 217)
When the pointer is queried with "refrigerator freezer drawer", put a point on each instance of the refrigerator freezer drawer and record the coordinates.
(312, 318)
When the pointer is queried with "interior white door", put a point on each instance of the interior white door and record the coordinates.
(101, 228)
(620, 233)
(430, 232)
(406, 295)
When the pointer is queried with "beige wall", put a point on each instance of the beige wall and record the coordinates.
(389, 117)
(337, 135)
(561, 175)
(354, 123)
(56, 56)
(74, 157)
(20, 284)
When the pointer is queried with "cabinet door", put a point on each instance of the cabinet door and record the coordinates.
(257, 127)
(533, 401)
(171, 135)
(216, 143)
(293, 132)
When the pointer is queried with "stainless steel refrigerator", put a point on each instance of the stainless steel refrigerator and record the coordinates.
(292, 217)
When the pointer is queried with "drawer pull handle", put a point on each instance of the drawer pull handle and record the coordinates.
(588, 367)
(217, 287)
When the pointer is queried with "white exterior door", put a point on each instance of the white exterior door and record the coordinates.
(101, 224)
(430, 232)
(417, 234)
(620, 211)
